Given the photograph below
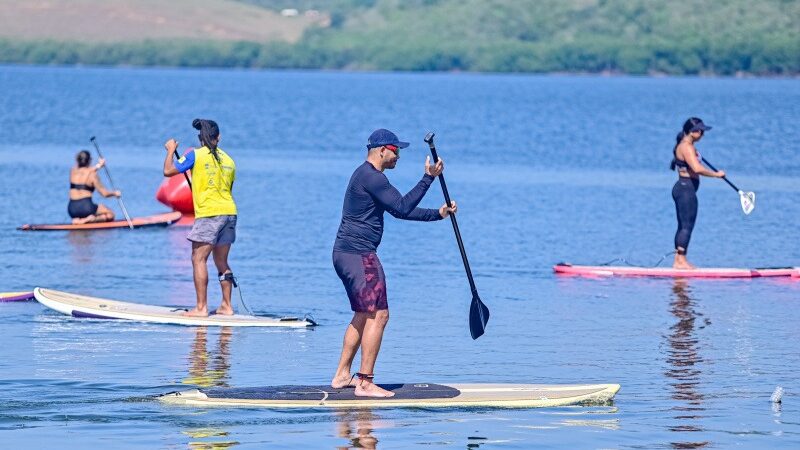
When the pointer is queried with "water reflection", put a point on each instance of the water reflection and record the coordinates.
(209, 369)
(206, 433)
(357, 427)
(82, 245)
(684, 360)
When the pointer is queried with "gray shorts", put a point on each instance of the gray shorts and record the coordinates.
(216, 230)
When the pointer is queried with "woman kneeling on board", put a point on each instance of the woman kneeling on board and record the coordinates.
(687, 161)
(214, 229)
(83, 180)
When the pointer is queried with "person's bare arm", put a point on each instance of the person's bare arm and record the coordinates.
(169, 164)
(102, 189)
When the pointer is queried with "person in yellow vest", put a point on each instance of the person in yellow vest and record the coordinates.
(214, 229)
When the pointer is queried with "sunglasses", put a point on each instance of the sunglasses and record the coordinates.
(393, 148)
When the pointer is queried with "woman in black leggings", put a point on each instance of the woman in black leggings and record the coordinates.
(687, 161)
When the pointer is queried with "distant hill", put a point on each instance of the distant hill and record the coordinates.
(103, 21)
(611, 36)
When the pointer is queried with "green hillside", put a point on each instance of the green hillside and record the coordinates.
(618, 36)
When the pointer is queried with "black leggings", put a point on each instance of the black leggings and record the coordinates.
(685, 195)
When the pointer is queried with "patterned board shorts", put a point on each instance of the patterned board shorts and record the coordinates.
(363, 279)
(216, 230)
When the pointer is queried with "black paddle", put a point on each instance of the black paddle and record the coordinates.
(111, 182)
(478, 312)
(177, 158)
(747, 199)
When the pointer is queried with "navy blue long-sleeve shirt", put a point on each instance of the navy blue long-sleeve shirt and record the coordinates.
(368, 195)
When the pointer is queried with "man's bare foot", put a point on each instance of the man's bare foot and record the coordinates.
(368, 389)
(344, 381)
(196, 313)
(224, 311)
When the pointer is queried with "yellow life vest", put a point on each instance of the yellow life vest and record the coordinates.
(212, 182)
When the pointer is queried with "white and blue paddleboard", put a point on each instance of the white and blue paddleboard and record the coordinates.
(99, 308)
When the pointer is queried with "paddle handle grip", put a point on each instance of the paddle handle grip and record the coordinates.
(453, 220)
(724, 178)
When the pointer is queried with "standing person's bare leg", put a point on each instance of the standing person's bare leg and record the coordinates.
(370, 346)
(220, 253)
(200, 252)
(352, 341)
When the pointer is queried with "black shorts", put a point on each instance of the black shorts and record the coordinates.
(78, 209)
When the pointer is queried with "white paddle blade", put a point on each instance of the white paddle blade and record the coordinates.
(748, 200)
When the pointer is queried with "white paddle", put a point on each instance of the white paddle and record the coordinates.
(747, 199)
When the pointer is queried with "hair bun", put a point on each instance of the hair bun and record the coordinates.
(197, 124)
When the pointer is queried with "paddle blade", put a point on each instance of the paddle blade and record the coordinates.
(748, 200)
(478, 316)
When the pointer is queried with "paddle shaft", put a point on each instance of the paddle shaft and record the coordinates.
(455, 224)
(111, 182)
(724, 178)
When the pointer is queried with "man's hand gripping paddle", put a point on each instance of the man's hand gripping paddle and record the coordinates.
(747, 199)
(478, 312)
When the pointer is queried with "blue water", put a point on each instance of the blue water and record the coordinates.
(545, 169)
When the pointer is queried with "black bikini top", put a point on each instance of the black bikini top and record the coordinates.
(81, 187)
(680, 164)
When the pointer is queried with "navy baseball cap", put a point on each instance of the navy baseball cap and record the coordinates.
(381, 137)
(699, 126)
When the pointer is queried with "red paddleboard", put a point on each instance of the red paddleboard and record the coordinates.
(159, 220)
(669, 272)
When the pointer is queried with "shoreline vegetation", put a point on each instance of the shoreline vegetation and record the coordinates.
(616, 37)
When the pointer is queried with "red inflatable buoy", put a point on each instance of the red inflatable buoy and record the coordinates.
(176, 193)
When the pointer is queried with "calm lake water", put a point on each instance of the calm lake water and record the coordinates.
(544, 168)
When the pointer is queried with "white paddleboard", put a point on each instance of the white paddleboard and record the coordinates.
(100, 308)
(419, 395)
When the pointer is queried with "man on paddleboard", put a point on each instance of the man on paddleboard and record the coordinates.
(214, 229)
(368, 195)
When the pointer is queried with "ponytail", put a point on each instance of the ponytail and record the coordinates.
(209, 132)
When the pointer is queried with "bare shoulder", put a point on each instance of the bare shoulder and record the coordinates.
(685, 148)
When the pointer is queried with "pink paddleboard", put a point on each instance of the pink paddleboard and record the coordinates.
(716, 272)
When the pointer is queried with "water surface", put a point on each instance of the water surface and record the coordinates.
(545, 169)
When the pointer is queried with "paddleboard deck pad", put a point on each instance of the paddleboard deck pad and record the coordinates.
(100, 308)
(15, 296)
(419, 395)
(669, 272)
(158, 220)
